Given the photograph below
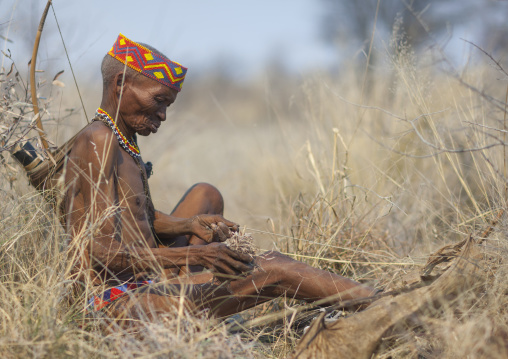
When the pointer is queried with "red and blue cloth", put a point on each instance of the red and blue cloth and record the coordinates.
(110, 295)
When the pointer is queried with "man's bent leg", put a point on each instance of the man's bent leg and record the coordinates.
(201, 198)
(274, 275)
(277, 274)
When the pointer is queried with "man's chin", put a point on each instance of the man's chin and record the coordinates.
(145, 133)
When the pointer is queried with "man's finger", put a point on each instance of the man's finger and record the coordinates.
(207, 236)
(240, 256)
(230, 224)
(218, 233)
(225, 229)
(244, 258)
(235, 265)
(240, 266)
(223, 268)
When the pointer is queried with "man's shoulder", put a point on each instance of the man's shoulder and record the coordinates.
(95, 137)
(96, 133)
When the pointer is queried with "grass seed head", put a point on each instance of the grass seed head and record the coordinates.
(242, 243)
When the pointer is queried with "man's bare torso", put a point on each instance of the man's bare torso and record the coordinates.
(131, 222)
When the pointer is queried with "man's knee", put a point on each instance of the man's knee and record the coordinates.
(209, 192)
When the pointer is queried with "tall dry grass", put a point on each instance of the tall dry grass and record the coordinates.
(363, 178)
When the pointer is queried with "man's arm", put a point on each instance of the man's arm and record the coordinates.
(208, 227)
(118, 258)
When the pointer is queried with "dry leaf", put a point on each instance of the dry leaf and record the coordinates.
(10, 71)
(57, 75)
(58, 83)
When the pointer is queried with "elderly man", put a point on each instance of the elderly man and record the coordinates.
(147, 259)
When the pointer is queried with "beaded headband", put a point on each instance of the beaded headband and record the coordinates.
(150, 64)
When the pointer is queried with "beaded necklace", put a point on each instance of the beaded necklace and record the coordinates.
(129, 146)
(132, 149)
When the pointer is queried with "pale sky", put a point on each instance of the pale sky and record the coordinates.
(194, 33)
(239, 35)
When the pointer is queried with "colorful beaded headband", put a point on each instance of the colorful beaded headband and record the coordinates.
(150, 64)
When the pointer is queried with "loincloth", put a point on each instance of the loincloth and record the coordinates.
(97, 302)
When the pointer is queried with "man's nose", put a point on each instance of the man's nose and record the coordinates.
(161, 114)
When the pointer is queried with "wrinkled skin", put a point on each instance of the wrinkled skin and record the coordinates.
(105, 187)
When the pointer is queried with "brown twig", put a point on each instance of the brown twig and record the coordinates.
(32, 80)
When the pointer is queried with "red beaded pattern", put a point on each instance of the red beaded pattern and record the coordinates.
(150, 64)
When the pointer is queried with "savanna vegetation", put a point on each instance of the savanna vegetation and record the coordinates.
(364, 171)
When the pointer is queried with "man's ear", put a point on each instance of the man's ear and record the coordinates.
(121, 81)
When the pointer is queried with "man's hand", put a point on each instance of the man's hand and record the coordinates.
(212, 227)
(219, 258)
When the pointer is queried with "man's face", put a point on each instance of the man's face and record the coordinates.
(144, 103)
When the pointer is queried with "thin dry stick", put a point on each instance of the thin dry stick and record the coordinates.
(121, 90)
(345, 261)
(498, 64)
(366, 70)
(504, 147)
(69, 60)
(486, 233)
(319, 243)
(342, 304)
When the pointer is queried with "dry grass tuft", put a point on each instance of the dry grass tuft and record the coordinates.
(242, 243)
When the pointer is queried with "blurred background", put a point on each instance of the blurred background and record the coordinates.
(270, 85)
(240, 40)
